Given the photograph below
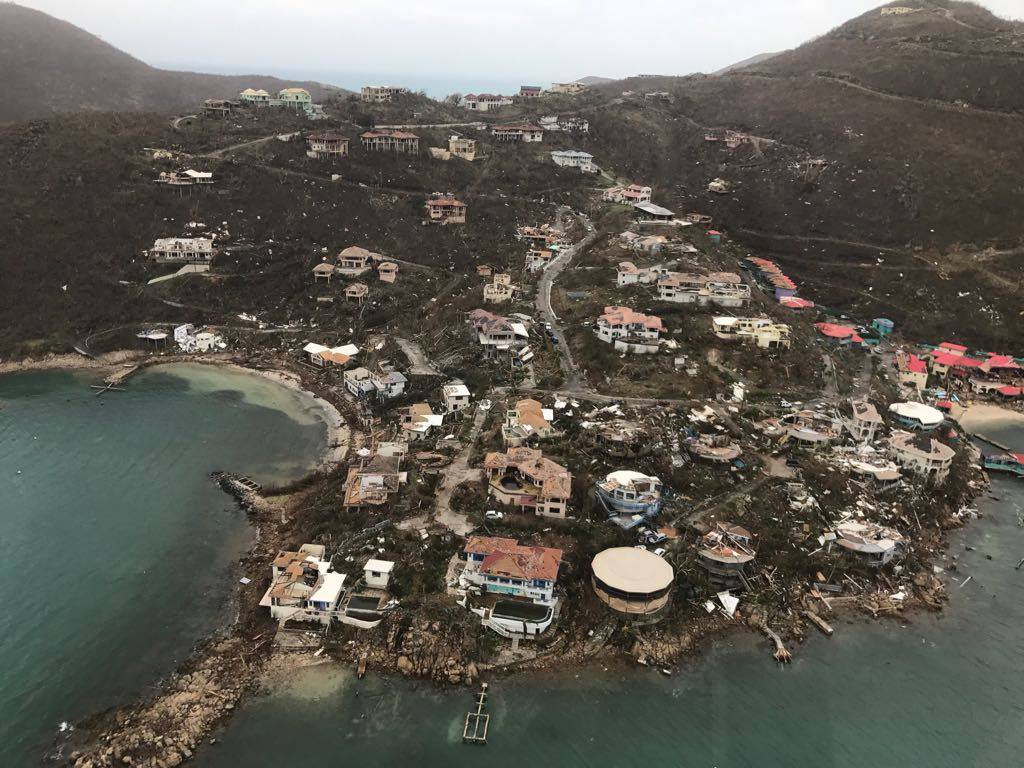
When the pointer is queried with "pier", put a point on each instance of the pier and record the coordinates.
(990, 441)
(477, 721)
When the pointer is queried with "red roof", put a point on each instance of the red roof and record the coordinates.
(509, 557)
(955, 361)
(1001, 361)
(714, 232)
(914, 364)
(834, 331)
(795, 302)
(1009, 391)
(952, 346)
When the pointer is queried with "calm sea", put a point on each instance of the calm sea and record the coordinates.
(117, 548)
(942, 691)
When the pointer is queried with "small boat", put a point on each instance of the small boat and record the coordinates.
(666, 671)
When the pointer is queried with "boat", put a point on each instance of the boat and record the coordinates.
(1013, 463)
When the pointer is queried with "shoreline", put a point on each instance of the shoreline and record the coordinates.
(236, 660)
(121, 362)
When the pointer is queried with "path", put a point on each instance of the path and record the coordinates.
(574, 381)
(455, 473)
(419, 363)
(176, 122)
(401, 126)
(217, 153)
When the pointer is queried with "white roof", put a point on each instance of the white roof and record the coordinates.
(314, 349)
(379, 566)
(570, 153)
(656, 210)
(330, 588)
(518, 329)
(198, 174)
(925, 414)
(456, 390)
(627, 477)
(632, 570)
(350, 350)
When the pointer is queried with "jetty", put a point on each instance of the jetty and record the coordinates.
(477, 721)
(990, 441)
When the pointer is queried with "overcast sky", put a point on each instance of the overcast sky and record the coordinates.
(427, 40)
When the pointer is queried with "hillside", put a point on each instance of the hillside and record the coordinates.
(918, 122)
(51, 66)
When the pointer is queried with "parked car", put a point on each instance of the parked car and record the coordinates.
(493, 514)
(656, 538)
(661, 551)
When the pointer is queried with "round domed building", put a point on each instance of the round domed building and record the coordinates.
(632, 581)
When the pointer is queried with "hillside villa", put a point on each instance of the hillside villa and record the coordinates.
(629, 195)
(462, 147)
(326, 144)
(455, 397)
(484, 102)
(529, 419)
(724, 289)
(389, 140)
(357, 292)
(629, 498)
(522, 477)
(446, 209)
(573, 158)
(629, 331)
(196, 250)
(387, 271)
(571, 88)
(500, 289)
(380, 94)
(517, 581)
(417, 420)
(763, 332)
(500, 334)
(922, 455)
(518, 132)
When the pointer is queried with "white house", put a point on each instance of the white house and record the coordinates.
(357, 382)
(572, 158)
(387, 380)
(191, 249)
(377, 573)
(455, 396)
(922, 454)
(762, 331)
(630, 331)
(304, 586)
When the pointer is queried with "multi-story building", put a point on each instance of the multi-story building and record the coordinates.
(445, 209)
(922, 455)
(518, 132)
(196, 250)
(629, 331)
(724, 289)
(523, 478)
(506, 567)
(295, 98)
(254, 97)
(327, 144)
(455, 397)
(388, 140)
(484, 102)
(630, 195)
(762, 331)
(380, 94)
(304, 586)
(572, 158)
(571, 88)
(462, 147)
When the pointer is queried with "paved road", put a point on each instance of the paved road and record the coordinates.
(574, 380)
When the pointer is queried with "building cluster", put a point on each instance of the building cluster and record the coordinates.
(191, 339)
(770, 277)
(298, 99)
(627, 195)
(355, 261)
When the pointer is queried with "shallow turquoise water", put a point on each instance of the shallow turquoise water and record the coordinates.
(942, 691)
(117, 547)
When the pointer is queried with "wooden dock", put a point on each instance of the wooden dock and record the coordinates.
(477, 721)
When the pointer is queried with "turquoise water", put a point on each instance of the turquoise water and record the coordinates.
(117, 548)
(943, 691)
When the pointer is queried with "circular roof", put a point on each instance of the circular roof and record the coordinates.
(626, 476)
(633, 570)
(925, 414)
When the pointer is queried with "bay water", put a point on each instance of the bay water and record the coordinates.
(118, 550)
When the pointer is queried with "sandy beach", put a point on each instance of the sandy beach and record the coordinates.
(977, 417)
